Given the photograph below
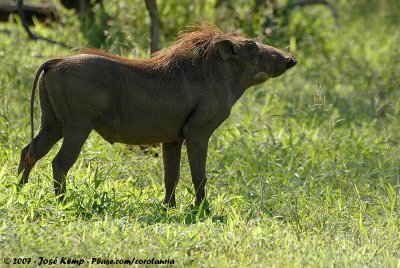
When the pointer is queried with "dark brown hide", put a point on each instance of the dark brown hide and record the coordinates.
(182, 93)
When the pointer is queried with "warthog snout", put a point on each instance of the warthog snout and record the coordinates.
(273, 62)
(291, 61)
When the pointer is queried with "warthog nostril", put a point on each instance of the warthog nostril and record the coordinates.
(291, 62)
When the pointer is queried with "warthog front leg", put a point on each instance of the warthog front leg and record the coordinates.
(74, 138)
(171, 158)
(197, 154)
(197, 131)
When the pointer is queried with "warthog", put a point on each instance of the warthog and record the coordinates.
(182, 93)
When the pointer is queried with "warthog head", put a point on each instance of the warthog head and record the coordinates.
(260, 61)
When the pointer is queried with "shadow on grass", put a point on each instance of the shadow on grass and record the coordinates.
(158, 213)
(145, 213)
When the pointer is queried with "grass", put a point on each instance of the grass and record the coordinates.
(304, 173)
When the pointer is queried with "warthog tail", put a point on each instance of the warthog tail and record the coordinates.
(44, 67)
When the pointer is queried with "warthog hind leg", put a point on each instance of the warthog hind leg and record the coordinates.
(42, 143)
(74, 138)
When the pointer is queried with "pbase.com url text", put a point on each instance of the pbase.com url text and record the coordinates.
(132, 261)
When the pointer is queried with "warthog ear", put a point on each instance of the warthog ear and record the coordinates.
(226, 48)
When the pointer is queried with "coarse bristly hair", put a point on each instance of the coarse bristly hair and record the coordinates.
(194, 46)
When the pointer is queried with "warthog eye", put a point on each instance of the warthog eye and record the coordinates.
(251, 45)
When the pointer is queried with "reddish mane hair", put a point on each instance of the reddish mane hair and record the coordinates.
(196, 44)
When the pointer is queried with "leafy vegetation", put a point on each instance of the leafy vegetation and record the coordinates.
(306, 172)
